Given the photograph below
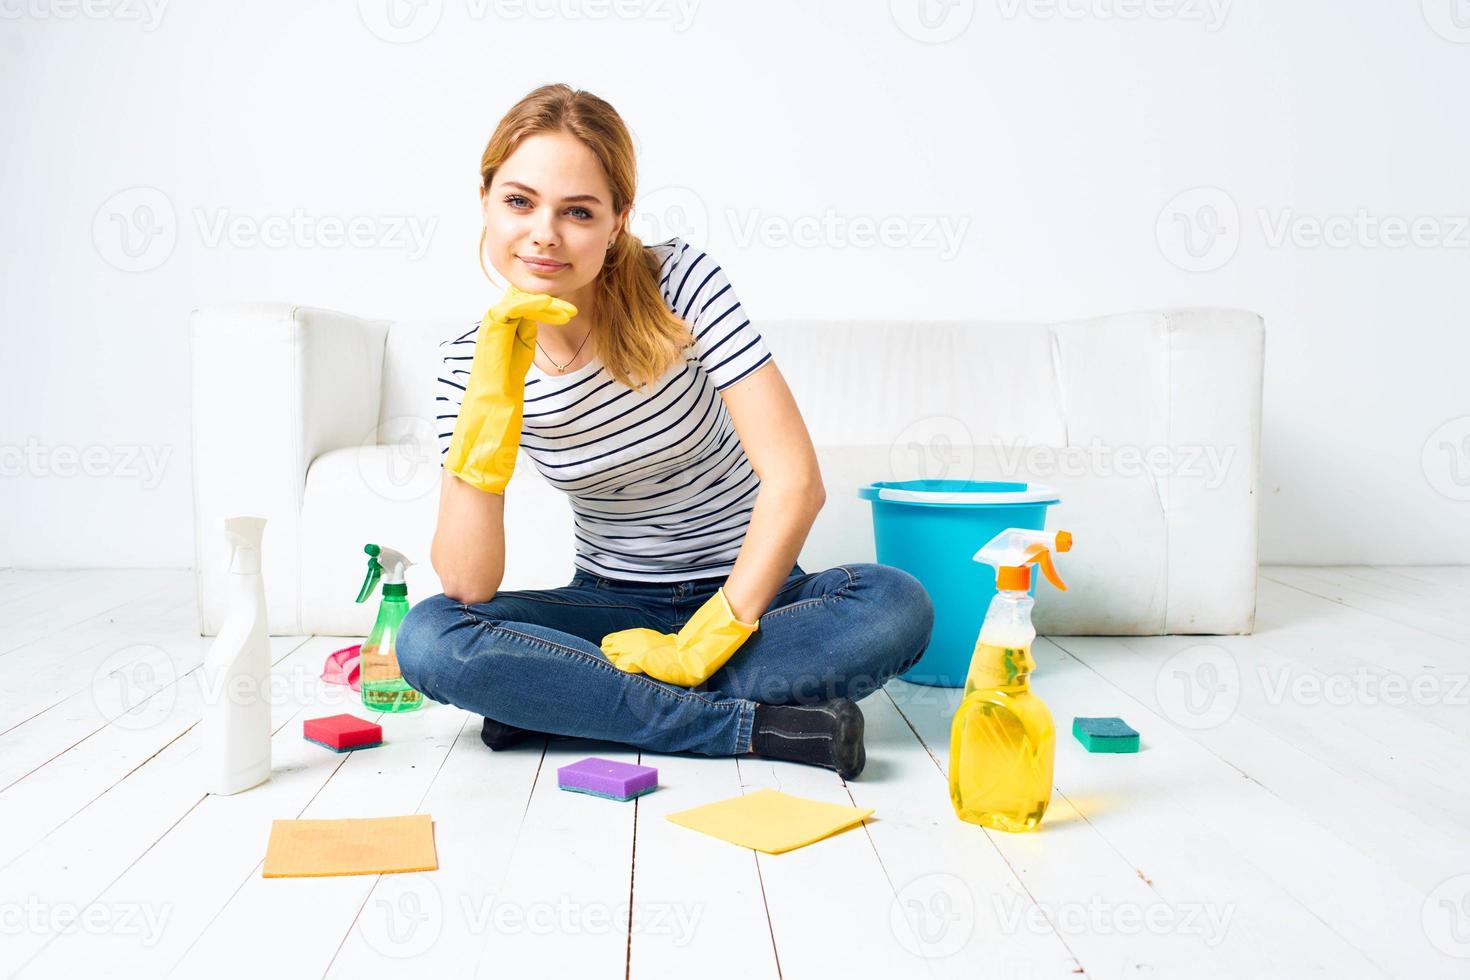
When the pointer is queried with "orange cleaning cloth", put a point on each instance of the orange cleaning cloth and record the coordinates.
(358, 846)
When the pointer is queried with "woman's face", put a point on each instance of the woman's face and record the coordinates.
(550, 200)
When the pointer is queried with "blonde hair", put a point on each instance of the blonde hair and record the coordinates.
(640, 337)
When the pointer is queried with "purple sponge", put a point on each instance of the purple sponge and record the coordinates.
(608, 779)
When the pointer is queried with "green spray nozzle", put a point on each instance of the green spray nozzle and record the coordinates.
(388, 565)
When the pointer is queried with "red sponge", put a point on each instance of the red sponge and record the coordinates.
(342, 733)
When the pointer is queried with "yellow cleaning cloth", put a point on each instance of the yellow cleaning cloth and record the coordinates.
(361, 846)
(770, 820)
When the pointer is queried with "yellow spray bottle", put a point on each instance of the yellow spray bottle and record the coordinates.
(1002, 741)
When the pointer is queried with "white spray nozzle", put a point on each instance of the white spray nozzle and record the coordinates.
(394, 565)
(1012, 551)
(385, 564)
(244, 535)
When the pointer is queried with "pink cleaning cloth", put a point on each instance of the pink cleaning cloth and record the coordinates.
(342, 667)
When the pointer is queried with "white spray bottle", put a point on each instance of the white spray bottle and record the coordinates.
(236, 728)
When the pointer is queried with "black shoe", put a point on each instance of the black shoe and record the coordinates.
(499, 736)
(827, 734)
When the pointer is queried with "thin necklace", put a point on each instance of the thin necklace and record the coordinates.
(561, 368)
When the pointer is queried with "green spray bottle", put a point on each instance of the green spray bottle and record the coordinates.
(383, 686)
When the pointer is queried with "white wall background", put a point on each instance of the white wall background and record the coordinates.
(1054, 138)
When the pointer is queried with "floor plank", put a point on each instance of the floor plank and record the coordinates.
(75, 599)
(696, 898)
(1445, 619)
(91, 655)
(836, 889)
(569, 876)
(438, 921)
(958, 900)
(15, 584)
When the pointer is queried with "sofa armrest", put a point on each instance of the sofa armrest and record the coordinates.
(1202, 421)
(273, 387)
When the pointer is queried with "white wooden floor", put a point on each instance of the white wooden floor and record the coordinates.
(1299, 809)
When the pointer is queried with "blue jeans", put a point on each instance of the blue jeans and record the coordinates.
(533, 658)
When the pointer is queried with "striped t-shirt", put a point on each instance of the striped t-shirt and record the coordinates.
(660, 487)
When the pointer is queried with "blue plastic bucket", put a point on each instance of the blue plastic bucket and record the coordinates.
(932, 529)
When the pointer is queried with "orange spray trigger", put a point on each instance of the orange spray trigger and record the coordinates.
(1042, 557)
(1013, 551)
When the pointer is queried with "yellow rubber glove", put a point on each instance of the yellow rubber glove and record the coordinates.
(685, 658)
(482, 451)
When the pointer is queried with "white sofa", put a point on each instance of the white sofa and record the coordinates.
(1147, 423)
